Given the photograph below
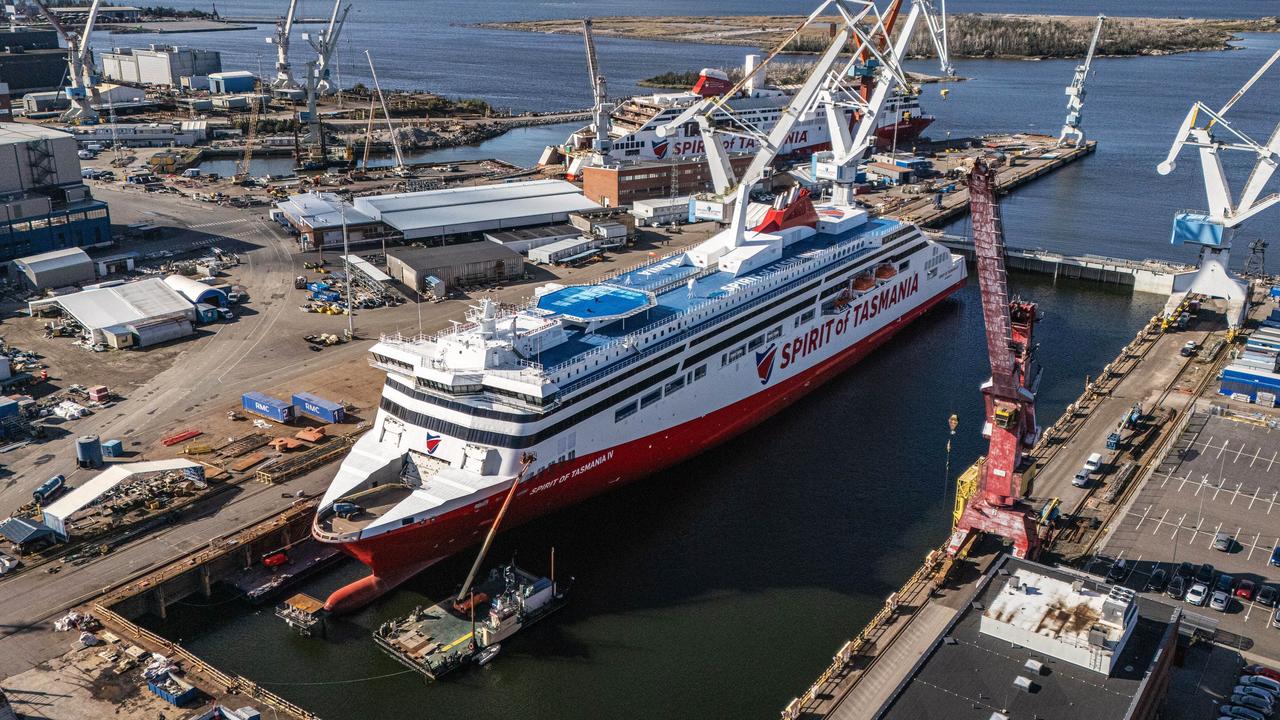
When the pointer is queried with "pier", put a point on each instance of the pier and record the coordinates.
(1153, 276)
(873, 669)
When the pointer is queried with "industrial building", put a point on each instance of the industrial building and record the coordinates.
(229, 83)
(440, 214)
(623, 184)
(163, 65)
(474, 263)
(134, 134)
(317, 219)
(197, 292)
(31, 60)
(57, 268)
(60, 514)
(1036, 641)
(660, 211)
(136, 314)
(525, 239)
(117, 99)
(106, 13)
(44, 204)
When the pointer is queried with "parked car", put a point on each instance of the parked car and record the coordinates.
(1243, 713)
(1177, 587)
(1205, 573)
(1189, 348)
(1266, 596)
(1118, 572)
(1275, 556)
(1186, 570)
(1275, 619)
(1245, 589)
(1093, 463)
(1223, 542)
(1219, 601)
(1262, 670)
(1198, 594)
(1081, 479)
(1258, 692)
(1156, 582)
(1253, 702)
(1261, 681)
(1225, 583)
(7, 563)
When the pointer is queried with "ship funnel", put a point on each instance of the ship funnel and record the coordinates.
(488, 318)
(753, 81)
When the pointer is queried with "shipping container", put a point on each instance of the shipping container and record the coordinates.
(319, 408)
(176, 691)
(268, 407)
(316, 286)
(326, 296)
(113, 448)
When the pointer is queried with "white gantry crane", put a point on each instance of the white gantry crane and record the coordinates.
(1213, 230)
(832, 87)
(324, 43)
(284, 28)
(82, 78)
(601, 108)
(1072, 133)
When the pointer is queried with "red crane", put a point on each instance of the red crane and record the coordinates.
(1010, 394)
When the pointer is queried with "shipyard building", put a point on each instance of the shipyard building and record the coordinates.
(162, 65)
(44, 203)
(625, 183)
(1036, 641)
(30, 60)
(475, 263)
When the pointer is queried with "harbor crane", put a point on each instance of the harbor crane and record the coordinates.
(1072, 134)
(324, 43)
(830, 85)
(1215, 228)
(601, 108)
(400, 168)
(1010, 395)
(82, 78)
(284, 28)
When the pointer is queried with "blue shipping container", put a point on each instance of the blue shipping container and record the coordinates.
(316, 286)
(319, 408)
(326, 296)
(113, 448)
(268, 407)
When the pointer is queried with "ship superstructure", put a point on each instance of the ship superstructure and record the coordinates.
(608, 382)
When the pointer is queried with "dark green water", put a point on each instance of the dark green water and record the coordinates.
(719, 588)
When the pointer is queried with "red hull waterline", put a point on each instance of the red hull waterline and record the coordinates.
(903, 131)
(398, 555)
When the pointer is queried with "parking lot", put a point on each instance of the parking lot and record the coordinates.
(1221, 476)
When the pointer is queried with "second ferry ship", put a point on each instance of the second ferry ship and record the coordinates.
(608, 382)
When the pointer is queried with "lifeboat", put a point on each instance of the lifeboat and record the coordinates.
(885, 271)
(864, 282)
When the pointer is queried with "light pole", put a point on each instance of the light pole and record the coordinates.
(953, 422)
(346, 264)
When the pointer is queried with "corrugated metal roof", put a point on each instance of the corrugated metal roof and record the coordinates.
(438, 210)
(22, 132)
(448, 255)
(231, 74)
(321, 211)
(55, 260)
(125, 304)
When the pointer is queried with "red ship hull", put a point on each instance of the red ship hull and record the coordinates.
(903, 131)
(397, 555)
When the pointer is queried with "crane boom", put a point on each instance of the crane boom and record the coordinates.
(395, 142)
(284, 29)
(1072, 133)
(325, 42)
(600, 108)
(82, 81)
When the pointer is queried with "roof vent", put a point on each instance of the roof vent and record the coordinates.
(1023, 683)
(1035, 666)
(1015, 583)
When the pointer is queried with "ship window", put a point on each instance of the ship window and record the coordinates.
(633, 152)
(756, 342)
(774, 333)
(700, 372)
(807, 316)
(651, 398)
(625, 411)
(724, 359)
(735, 354)
(674, 385)
(406, 522)
(904, 264)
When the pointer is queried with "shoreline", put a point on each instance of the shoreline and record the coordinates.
(996, 36)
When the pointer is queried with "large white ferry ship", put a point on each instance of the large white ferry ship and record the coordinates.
(605, 383)
(633, 126)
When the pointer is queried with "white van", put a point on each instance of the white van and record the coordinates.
(1093, 463)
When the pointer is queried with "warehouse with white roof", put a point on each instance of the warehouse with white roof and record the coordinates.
(437, 214)
(136, 314)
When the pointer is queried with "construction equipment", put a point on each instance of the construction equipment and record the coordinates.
(1072, 134)
(400, 168)
(82, 78)
(1010, 394)
(601, 107)
(324, 43)
(1214, 229)
(284, 27)
(250, 137)
(525, 461)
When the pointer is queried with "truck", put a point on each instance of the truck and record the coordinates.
(48, 489)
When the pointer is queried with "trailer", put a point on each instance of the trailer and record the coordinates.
(268, 407)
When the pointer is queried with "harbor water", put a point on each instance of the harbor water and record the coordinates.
(721, 587)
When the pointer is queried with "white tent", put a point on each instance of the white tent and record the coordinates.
(57, 514)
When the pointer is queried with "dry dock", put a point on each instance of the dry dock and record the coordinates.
(1141, 511)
